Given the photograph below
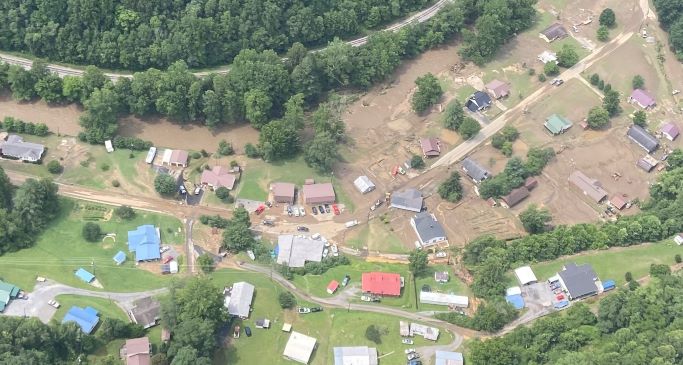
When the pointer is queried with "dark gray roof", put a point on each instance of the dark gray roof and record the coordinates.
(579, 280)
(474, 170)
(428, 227)
(408, 199)
(555, 31)
(478, 101)
(642, 138)
(17, 148)
(146, 312)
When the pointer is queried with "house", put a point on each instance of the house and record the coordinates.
(295, 251)
(641, 137)
(381, 283)
(15, 147)
(515, 300)
(556, 124)
(363, 184)
(145, 241)
(642, 98)
(428, 230)
(177, 158)
(647, 163)
(299, 347)
(84, 275)
(530, 183)
(590, 187)
(670, 131)
(450, 300)
(7, 292)
(428, 333)
(136, 351)
(441, 276)
(86, 318)
(238, 299)
(475, 171)
(618, 202)
(431, 147)
(218, 176)
(120, 258)
(677, 238)
(553, 32)
(547, 56)
(525, 275)
(498, 89)
(145, 312)
(283, 192)
(515, 196)
(319, 193)
(578, 280)
(448, 358)
(332, 287)
(356, 355)
(478, 101)
(408, 199)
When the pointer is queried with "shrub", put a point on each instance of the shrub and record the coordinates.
(196, 155)
(225, 148)
(91, 232)
(638, 82)
(222, 193)
(287, 300)
(234, 163)
(417, 162)
(165, 184)
(204, 153)
(551, 69)
(678, 259)
(124, 212)
(115, 183)
(628, 276)
(541, 77)
(54, 167)
(206, 263)
(532, 71)
(104, 167)
(595, 78)
(251, 151)
(372, 333)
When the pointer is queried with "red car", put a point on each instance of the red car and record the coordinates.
(260, 209)
(560, 297)
(335, 208)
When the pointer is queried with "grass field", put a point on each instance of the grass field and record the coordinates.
(106, 307)
(377, 237)
(61, 250)
(453, 286)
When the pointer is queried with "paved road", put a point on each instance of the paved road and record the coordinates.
(62, 71)
(36, 305)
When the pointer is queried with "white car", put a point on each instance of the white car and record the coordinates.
(54, 303)
(441, 254)
(296, 211)
(164, 249)
(409, 351)
(197, 190)
(303, 211)
(40, 279)
(407, 341)
(325, 252)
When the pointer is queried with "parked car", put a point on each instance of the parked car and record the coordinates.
(268, 222)
(302, 210)
(54, 303)
(409, 351)
(289, 210)
(441, 254)
(413, 356)
(247, 331)
(164, 249)
(302, 229)
(414, 362)
(197, 190)
(40, 279)
(346, 280)
(236, 332)
(335, 249)
(327, 208)
(316, 309)
(426, 288)
(407, 341)
(325, 252)
(369, 298)
(335, 208)
(296, 211)
(321, 209)
(182, 189)
(315, 210)
(260, 209)
(303, 310)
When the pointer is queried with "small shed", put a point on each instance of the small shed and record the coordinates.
(85, 275)
(530, 183)
(647, 163)
(525, 275)
(262, 323)
(364, 184)
(515, 196)
(403, 328)
(441, 276)
(679, 239)
(108, 146)
(173, 267)
(618, 201)
(431, 147)
(332, 287)
(120, 258)
(287, 327)
(498, 89)
(670, 131)
(608, 285)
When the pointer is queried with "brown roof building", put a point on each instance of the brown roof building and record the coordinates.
(498, 89)
(319, 193)
(136, 351)
(530, 183)
(283, 192)
(589, 186)
(218, 176)
(515, 196)
(618, 202)
(430, 147)
(553, 32)
(145, 312)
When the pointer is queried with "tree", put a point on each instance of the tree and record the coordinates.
(418, 261)
(608, 18)
(372, 333)
(451, 189)
(125, 212)
(6, 190)
(91, 232)
(640, 118)
(72, 88)
(638, 82)
(165, 184)
(54, 167)
(567, 56)
(237, 238)
(469, 128)
(35, 205)
(251, 151)
(22, 83)
(678, 259)
(510, 133)
(660, 270)
(534, 219)
(595, 79)
(100, 118)
(611, 103)
(598, 118)
(628, 276)
(321, 153)
(603, 33)
(675, 159)
(258, 105)
(417, 162)
(225, 148)
(453, 115)
(286, 300)
(428, 92)
(206, 263)
(187, 355)
(49, 88)
(223, 193)
(551, 69)
(278, 140)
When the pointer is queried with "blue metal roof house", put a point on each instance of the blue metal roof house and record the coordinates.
(145, 242)
(120, 257)
(516, 300)
(85, 275)
(86, 318)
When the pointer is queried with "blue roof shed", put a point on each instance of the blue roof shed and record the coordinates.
(120, 257)
(85, 275)
(608, 285)
(145, 242)
(516, 300)
(86, 318)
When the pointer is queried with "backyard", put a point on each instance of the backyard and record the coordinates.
(106, 308)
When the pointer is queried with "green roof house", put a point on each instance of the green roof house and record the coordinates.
(557, 124)
(7, 292)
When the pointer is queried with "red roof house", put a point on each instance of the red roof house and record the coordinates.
(381, 283)
(218, 176)
(332, 286)
(430, 147)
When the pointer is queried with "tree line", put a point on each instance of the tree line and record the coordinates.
(126, 34)
(670, 15)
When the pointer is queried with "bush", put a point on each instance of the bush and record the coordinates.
(204, 153)
(638, 82)
(104, 167)
(595, 78)
(531, 72)
(124, 212)
(196, 155)
(206, 263)
(215, 221)
(222, 193)
(91, 232)
(678, 259)
(54, 167)
(428, 92)
(628, 276)
(115, 183)
(131, 143)
(165, 184)
(541, 77)
(598, 118)
(603, 34)
(417, 162)
(608, 18)
(372, 333)
(601, 84)
(551, 69)
(251, 151)
(225, 148)
(451, 189)
(286, 300)
(234, 163)
(469, 128)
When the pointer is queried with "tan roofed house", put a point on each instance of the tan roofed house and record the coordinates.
(136, 351)
(589, 186)
(498, 89)
(175, 158)
(430, 147)
(218, 176)
(319, 193)
(283, 192)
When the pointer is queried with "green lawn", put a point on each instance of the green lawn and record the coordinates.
(61, 250)
(376, 236)
(614, 263)
(100, 168)
(464, 92)
(453, 286)
(106, 307)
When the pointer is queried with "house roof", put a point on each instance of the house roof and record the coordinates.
(430, 146)
(618, 201)
(84, 275)
(516, 196)
(474, 170)
(643, 98)
(299, 347)
(525, 275)
(589, 186)
(547, 56)
(363, 184)
(444, 299)
(319, 193)
(356, 355)
(478, 101)
(644, 139)
(408, 199)
(16, 147)
(557, 124)
(11, 289)
(427, 227)
(219, 176)
(86, 318)
(381, 283)
(448, 358)
(120, 257)
(441, 276)
(429, 333)
(499, 88)
(179, 157)
(136, 346)
(145, 242)
(554, 31)
(579, 279)
(145, 312)
(333, 285)
(646, 164)
(670, 129)
(283, 190)
(297, 250)
(516, 300)
(241, 295)
(530, 183)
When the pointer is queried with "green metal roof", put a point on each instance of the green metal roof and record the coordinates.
(4, 298)
(557, 124)
(12, 290)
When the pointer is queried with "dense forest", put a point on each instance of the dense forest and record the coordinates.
(670, 15)
(136, 35)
